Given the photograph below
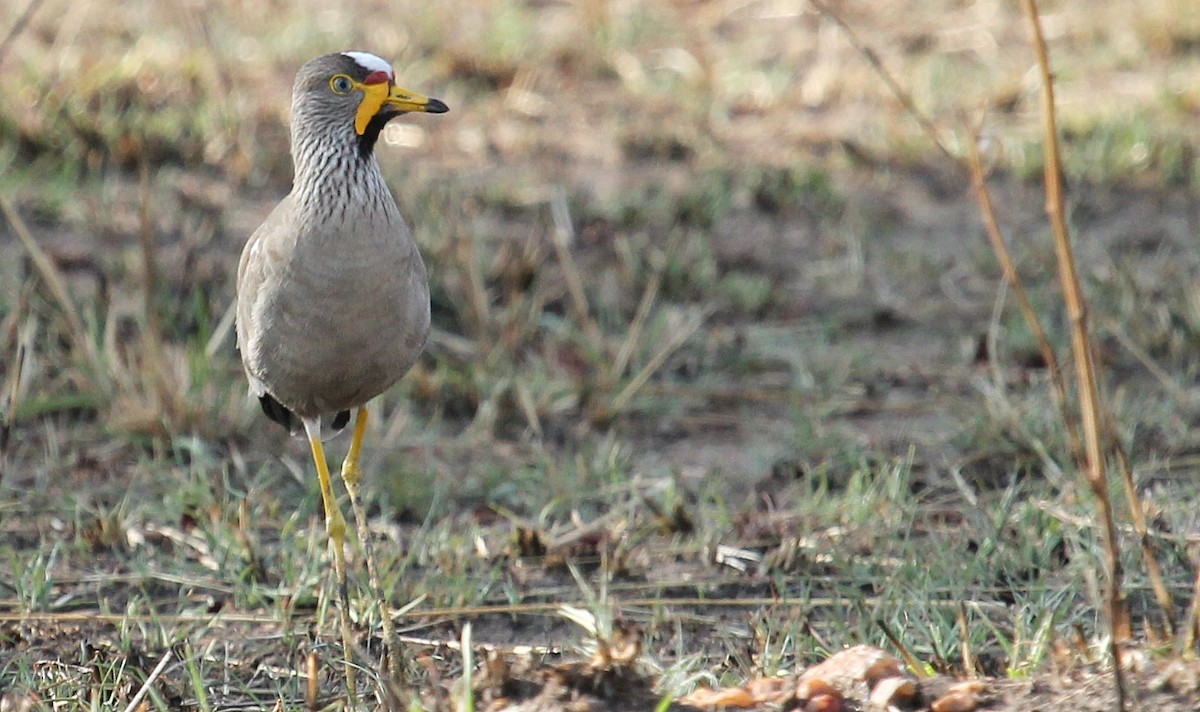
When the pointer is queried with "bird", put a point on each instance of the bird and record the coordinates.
(332, 293)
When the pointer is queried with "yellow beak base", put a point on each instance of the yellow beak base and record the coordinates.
(397, 100)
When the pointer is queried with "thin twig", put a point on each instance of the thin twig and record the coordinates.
(312, 681)
(158, 669)
(563, 235)
(462, 612)
(154, 362)
(893, 86)
(1186, 637)
(1089, 399)
(674, 340)
(18, 27)
(466, 701)
(1153, 572)
(968, 655)
(1173, 388)
(467, 255)
(18, 378)
(149, 250)
(57, 287)
(911, 660)
(1013, 278)
(221, 331)
(649, 295)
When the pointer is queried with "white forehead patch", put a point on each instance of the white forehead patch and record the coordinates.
(371, 62)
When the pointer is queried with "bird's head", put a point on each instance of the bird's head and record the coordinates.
(352, 94)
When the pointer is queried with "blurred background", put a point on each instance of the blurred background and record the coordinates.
(735, 165)
(699, 275)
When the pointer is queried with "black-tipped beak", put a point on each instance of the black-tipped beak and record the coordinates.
(404, 101)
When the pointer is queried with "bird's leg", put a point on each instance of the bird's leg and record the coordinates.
(335, 527)
(352, 476)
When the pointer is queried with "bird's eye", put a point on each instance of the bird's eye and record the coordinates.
(341, 84)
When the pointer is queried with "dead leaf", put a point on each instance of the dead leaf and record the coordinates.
(893, 691)
(824, 703)
(855, 671)
(768, 689)
(815, 687)
(962, 696)
(729, 697)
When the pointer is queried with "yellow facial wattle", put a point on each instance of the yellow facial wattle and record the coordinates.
(374, 97)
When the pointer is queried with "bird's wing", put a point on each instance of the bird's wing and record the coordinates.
(263, 261)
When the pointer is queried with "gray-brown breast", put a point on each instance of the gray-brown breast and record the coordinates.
(328, 320)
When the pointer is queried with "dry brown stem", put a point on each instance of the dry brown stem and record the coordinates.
(1013, 278)
(1190, 632)
(893, 86)
(1089, 400)
(1153, 571)
(57, 288)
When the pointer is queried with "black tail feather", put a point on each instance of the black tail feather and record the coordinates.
(280, 413)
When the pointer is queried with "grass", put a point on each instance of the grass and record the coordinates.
(686, 296)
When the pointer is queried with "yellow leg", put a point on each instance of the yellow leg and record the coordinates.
(335, 527)
(352, 476)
